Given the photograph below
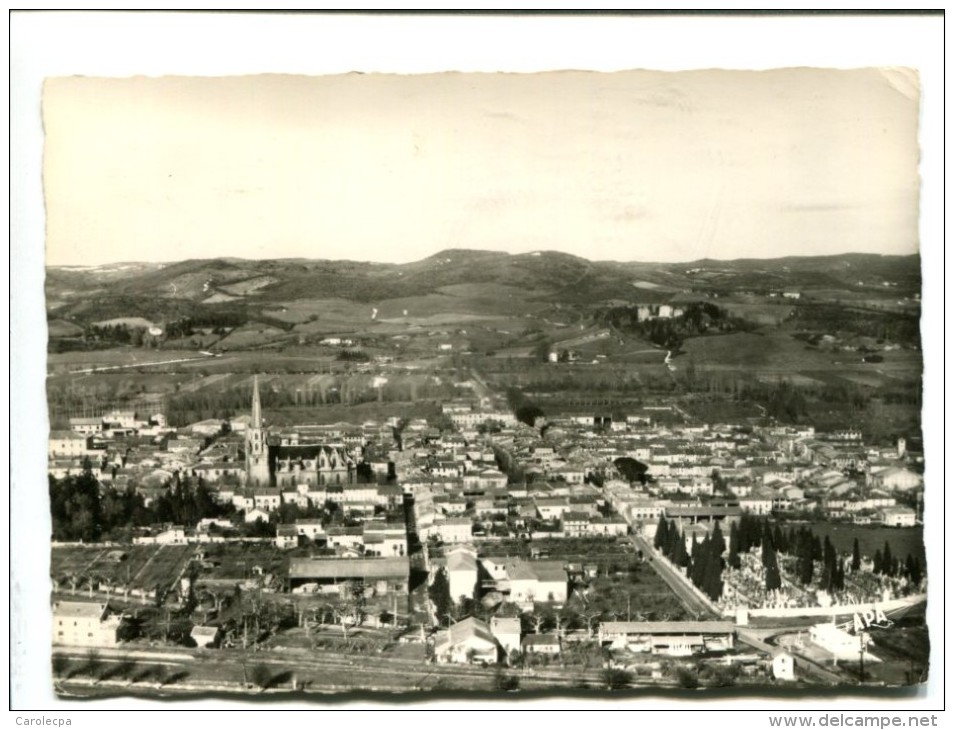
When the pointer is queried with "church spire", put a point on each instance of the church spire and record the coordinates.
(256, 406)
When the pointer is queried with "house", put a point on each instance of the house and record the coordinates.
(462, 572)
(552, 508)
(255, 514)
(576, 523)
(286, 537)
(548, 644)
(84, 624)
(536, 580)
(66, 445)
(783, 666)
(205, 637)
(86, 426)
(898, 517)
(614, 526)
(384, 540)
(466, 642)
(507, 633)
(174, 535)
(312, 529)
(266, 501)
(453, 530)
(756, 504)
(894, 478)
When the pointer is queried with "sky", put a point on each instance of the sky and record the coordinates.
(634, 166)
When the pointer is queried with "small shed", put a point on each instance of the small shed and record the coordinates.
(205, 636)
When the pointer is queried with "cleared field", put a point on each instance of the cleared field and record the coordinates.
(252, 334)
(340, 311)
(138, 566)
(249, 286)
(128, 321)
(766, 313)
(237, 562)
(116, 356)
(779, 352)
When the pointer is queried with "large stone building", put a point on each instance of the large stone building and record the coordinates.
(268, 462)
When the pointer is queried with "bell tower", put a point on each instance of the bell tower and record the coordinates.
(256, 449)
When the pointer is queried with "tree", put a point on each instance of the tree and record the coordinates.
(439, 593)
(262, 676)
(915, 573)
(887, 561)
(504, 682)
(614, 679)
(717, 540)
(855, 557)
(773, 578)
(734, 560)
(661, 538)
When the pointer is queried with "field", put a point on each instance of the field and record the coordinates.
(903, 540)
(778, 353)
(68, 361)
(761, 313)
(142, 567)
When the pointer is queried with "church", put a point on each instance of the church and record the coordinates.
(269, 463)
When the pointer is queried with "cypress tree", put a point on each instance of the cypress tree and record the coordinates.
(734, 560)
(876, 569)
(773, 578)
(778, 539)
(828, 569)
(887, 562)
(767, 545)
(855, 557)
(673, 538)
(806, 566)
(718, 540)
(838, 581)
(661, 533)
(916, 572)
(681, 556)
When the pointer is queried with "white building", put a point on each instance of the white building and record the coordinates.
(841, 644)
(462, 572)
(84, 624)
(898, 517)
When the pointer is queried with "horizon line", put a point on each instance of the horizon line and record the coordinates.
(129, 262)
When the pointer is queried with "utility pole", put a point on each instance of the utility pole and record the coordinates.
(861, 653)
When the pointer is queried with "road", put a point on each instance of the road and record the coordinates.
(104, 368)
(677, 583)
(318, 671)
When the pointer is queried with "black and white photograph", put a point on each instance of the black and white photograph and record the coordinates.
(602, 384)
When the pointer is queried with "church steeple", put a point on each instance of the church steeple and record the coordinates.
(256, 406)
(256, 446)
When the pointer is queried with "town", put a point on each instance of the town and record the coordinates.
(490, 546)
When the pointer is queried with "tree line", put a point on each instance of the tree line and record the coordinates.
(697, 318)
(703, 561)
(82, 509)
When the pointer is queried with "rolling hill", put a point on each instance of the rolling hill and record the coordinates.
(244, 289)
